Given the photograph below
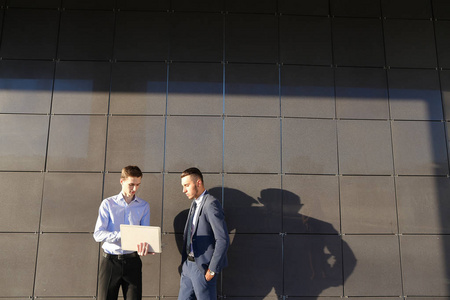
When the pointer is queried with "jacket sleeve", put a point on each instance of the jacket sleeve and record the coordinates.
(216, 218)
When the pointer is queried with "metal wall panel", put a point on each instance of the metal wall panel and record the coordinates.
(322, 127)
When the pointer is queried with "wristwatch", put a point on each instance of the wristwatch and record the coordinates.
(212, 273)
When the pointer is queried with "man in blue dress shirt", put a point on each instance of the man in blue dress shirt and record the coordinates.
(119, 267)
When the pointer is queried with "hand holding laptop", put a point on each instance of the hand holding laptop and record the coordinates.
(143, 239)
(142, 249)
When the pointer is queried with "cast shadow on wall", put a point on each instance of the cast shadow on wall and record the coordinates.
(309, 258)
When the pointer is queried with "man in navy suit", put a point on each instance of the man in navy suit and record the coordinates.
(206, 240)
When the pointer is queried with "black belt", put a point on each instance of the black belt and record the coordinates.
(120, 256)
(190, 258)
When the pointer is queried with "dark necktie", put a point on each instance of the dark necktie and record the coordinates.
(190, 229)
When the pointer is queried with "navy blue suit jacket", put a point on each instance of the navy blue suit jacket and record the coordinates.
(210, 239)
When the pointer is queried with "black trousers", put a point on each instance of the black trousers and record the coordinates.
(115, 273)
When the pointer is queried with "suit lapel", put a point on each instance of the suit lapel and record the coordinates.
(188, 218)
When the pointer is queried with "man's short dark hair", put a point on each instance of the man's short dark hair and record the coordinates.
(131, 171)
(194, 172)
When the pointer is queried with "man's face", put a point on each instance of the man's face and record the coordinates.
(130, 185)
(190, 186)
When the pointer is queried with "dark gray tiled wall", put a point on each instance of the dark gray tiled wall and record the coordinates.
(411, 195)
(356, 8)
(195, 89)
(81, 88)
(30, 204)
(410, 43)
(247, 199)
(201, 31)
(30, 34)
(141, 36)
(251, 38)
(22, 79)
(310, 204)
(424, 273)
(252, 90)
(415, 95)
(76, 143)
(377, 270)
(358, 42)
(305, 40)
(361, 93)
(24, 141)
(312, 150)
(57, 257)
(77, 40)
(365, 147)
(372, 197)
(65, 206)
(412, 152)
(19, 259)
(322, 126)
(307, 253)
(138, 88)
(307, 92)
(254, 272)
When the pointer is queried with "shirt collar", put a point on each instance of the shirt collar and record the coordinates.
(200, 198)
(120, 198)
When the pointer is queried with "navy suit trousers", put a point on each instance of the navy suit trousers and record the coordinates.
(193, 284)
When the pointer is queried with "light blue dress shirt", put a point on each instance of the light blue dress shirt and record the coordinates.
(115, 211)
